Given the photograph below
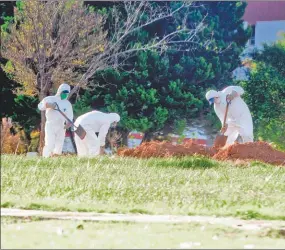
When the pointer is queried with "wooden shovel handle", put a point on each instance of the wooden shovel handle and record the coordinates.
(226, 113)
(58, 109)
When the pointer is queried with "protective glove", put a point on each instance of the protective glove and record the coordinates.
(67, 125)
(231, 96)
(224, 128)
(51, 105)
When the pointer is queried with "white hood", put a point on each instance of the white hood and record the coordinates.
(211, 94)
(63, 87)
(114, 117)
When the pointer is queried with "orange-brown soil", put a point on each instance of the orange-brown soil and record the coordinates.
(260, 151)
(165, 149)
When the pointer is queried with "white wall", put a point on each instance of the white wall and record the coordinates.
(241, 73)
(265, 32)
(268, 32)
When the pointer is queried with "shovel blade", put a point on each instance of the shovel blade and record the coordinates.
(80, 131)
(220, 141)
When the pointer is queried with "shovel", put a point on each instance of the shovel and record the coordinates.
(80, 131)
(221, 139)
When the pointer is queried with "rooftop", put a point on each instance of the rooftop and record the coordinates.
(264, 11)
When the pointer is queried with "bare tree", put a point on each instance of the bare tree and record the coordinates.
(57, 41)
(128, 21)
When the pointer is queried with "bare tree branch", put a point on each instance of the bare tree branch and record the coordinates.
(66, 42)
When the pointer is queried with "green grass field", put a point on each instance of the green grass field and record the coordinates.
(188, 186)
(73, 234)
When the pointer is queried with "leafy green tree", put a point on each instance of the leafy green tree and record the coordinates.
(265, 93)
(49, 42)
(21, 108)
(158, 89)
(7, 84)
(26, 113)
(7, 96)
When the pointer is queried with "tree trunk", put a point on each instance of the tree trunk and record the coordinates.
(43, 123)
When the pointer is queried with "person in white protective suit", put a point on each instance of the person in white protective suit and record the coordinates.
(94, 122)
(56, 124)
(239, 120)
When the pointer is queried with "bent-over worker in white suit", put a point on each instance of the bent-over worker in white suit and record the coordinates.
(239, 120)
(55, 123)
(94, 122)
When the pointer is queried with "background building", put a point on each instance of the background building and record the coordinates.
(267, 20)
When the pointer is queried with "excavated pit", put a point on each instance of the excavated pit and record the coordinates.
(252, 151)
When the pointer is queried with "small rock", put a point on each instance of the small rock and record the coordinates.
(197, 244)
(203, 228)
(80, 227)
(32, 154)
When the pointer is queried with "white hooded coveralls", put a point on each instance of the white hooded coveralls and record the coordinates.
(93, 122)
(239, 119)
(54, 127)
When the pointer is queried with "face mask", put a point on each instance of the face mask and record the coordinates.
(64, 96)
(211, 100)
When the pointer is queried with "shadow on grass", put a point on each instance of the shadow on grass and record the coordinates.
(139, 211)
(37, 206)
(198, 162)
(251, 214)
(8, 204)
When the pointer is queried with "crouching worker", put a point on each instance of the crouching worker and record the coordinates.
(94, 122)
(239, 120)
(56, 124)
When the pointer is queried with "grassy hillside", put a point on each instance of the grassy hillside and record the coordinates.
(193, 185)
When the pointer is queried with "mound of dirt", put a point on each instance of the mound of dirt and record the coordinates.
(260, 151)
(166, 149)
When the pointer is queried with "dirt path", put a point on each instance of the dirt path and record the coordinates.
(143, 218)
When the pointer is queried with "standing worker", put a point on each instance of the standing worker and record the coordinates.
(239, 120)
(94, 122)
(56, 124)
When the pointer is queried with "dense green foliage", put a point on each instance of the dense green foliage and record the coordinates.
(265, 93)
(6, 94)
(21, 108)
(7, 85)
(155, 90)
